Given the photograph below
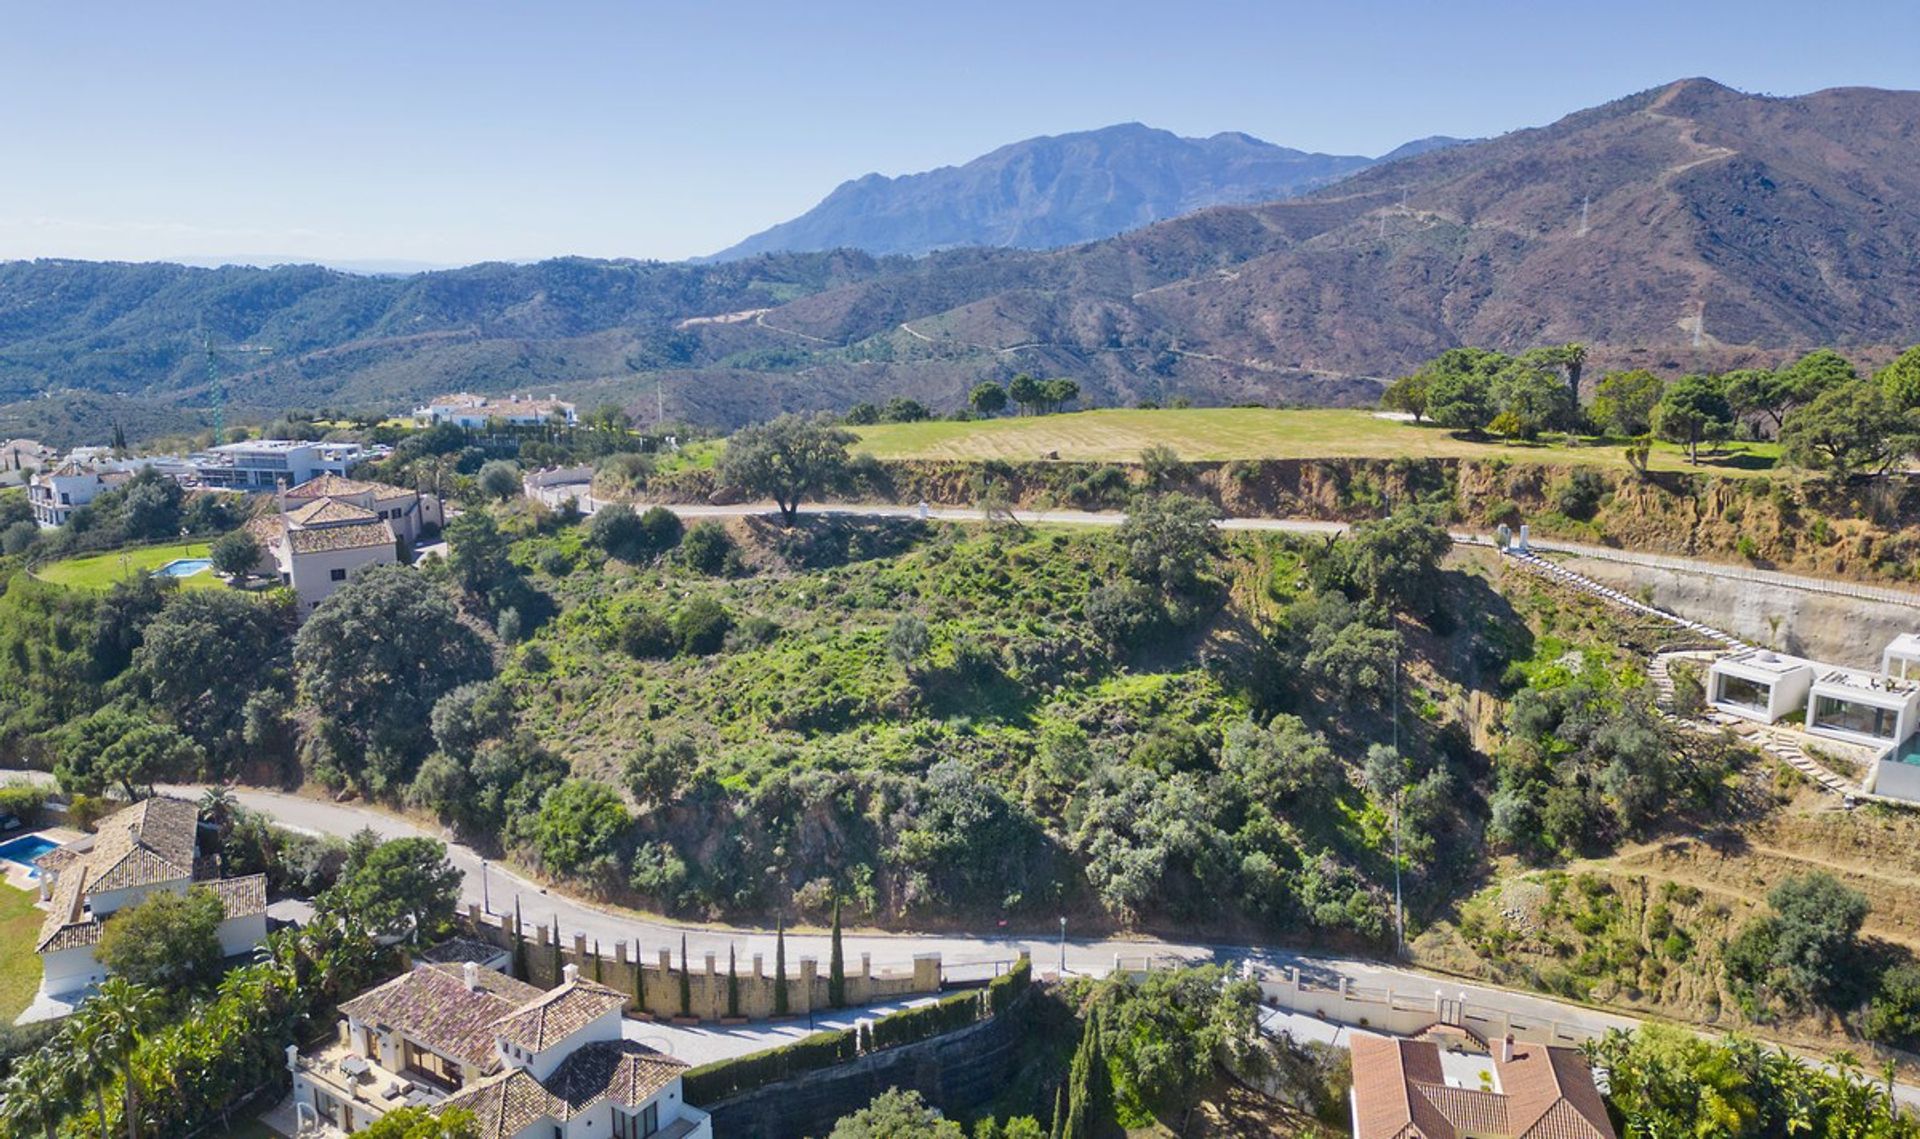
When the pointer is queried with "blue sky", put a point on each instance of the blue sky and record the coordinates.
(456, 132)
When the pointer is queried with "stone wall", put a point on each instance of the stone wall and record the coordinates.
(658, 980)
(957, 1073)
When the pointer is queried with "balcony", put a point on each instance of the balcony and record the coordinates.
(351, 1077)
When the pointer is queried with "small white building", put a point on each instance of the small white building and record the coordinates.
(56, 494)
(1901, 658)
(135, 853)
(528, 1064)
(1861, 707)
(408, 511)
(1759, 685)
(464, 409)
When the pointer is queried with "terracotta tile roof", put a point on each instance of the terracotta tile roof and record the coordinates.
(57, 859)
(1552, 1095)
(242, 897)
(1400, 1092)
(556, 1015)
(459, 951)
(68, 925)
(433, 1006)
(339, 486)
(353, 536)
(622, 1072)
(150, 842)
(329, 512)
(267, 529)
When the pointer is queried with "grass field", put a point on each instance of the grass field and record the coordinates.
(19, 964)
(1220, 433)
(100, 571)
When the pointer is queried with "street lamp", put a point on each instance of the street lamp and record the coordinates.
(1063, 945)
(486, 899)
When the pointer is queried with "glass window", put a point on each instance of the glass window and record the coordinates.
(1846, 716)
(337, 575)
(1743, 692)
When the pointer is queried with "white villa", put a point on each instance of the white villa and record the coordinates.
(148, 847)
(464, 409)
(1878, 710)
(264, 464)
(528, 1064)
(408, 511)
(315, 548)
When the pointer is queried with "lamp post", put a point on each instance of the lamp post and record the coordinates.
(486, 899)
(1063, 945)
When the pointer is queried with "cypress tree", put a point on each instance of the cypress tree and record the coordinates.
(836, 965)
(519, 946)
(686, 980)
(779, 967)
(733, 984)
(1059, 1129)
(597, 978)
(1099, 1090)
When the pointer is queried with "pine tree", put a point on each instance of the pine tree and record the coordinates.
(837, 965)
(733, 984)
(686, 980)
(779, 968)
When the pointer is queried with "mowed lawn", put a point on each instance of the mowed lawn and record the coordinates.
(100, 571)
(19, 964)
(1222, 433)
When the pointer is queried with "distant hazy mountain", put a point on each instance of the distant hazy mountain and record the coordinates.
(1057, 190)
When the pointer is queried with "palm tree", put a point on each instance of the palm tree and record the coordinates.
(108, 1028)
(217, 806)
(37, 1095)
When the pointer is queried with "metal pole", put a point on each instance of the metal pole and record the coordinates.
(486, 899)
(1399, 798)
(1063, 945)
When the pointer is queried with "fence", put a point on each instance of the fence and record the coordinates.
(655, 986)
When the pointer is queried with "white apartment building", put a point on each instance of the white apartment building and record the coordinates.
(269, 464)
(464, 409)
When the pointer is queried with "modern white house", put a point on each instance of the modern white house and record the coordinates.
(464, 409)
(267, 464)
(1863, 707)
(1760, 685)
(135, 853)
(528, 1064)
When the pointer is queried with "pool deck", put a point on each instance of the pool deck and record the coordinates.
(16, 874)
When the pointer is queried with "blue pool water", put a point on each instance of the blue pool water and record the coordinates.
(23, 851)
(183, 567)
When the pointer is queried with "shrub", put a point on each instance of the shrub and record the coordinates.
(23, 800)
(710, 1083)
(616, 529)
(700, 627)
(912, 1024)
(707, 548)
(659, 529)
(647, 636)
(1579, 496)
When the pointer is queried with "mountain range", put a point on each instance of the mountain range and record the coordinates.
(1689, 226)
(1057, 190)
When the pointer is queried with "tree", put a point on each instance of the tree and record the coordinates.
(1623, 402)
(477, 554)
(1805, 947)
(37, 1094)
(236, 555)
(1536, 398)
(1162, 465)
(205, 655)
(615, 528)
(402, 888)
(107, 1027)
(377, 655)
(1396, 560)
(779, 967)
(498, 479)
(733, 983)
(579, 829)
(169, 941)
(1691, 409)
(700, 626)
(659, 768)
(1408, 394)
(1754, 392)
(1027, 393)
(1848, 429)
(148, 754)
(896, 1114)
(1508, 425)
(1818, 370)
(908, 640)
(786, 459)
(686, 980)
(1059, 393)
(1459, 387)
(659, 530)
(987, 398)
(423, 1123)
(836, 965)
(1900, 380)
(1893, 1016)
(1169, 539)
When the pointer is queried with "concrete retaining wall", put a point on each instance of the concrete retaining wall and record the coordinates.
(615, 967)
(1385, 1010)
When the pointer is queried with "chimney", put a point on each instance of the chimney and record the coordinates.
(472, 973)
(1506, 1049)
(571, 974)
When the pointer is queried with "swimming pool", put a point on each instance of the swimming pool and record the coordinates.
(26, 850)
(184, 567)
